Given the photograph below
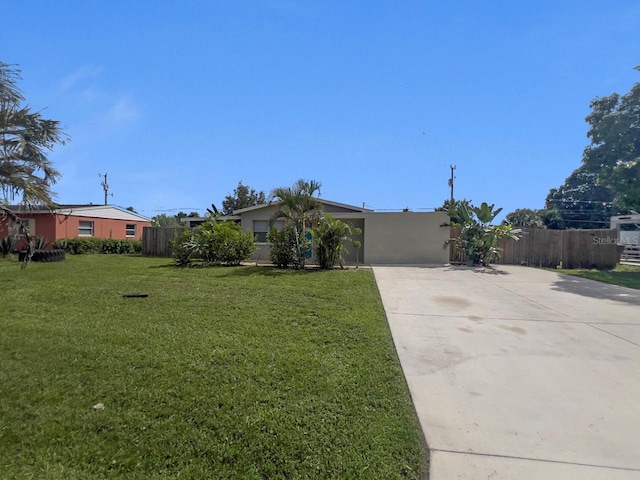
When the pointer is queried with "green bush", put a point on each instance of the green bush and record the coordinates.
(114, 246)
(283, 247)
(78, 246)
(330, 234)
(81, 245)
(183, 247)
(214, 243)
(223, 243)
(229, 244)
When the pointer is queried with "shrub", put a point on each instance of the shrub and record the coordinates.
(215, 243)
(223, 243)
(80, 245)
(114, 246)
(183, 247)
(330, 234)
(478, 239)
(229, 244)
(283, 247)
(77, 246)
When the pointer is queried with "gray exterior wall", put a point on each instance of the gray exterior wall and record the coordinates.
(246, 222)
(389, 238)
(406, 238)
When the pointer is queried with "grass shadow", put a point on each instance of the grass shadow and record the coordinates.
(255, 270)
(596, 289)
(490, 270)
(168, 265)
(267, 271)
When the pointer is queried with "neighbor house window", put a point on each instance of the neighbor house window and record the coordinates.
(132, 229)
(262, 227)
(28, 224)
(85, 228)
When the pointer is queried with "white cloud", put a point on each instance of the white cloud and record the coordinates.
(90, 94)
(123, 112)
(82, 73)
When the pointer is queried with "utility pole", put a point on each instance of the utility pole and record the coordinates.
(105, 187)
(453, 167)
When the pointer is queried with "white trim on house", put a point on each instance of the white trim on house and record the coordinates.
(101, 211)
(629, 237)
(624, 219)
(192, 222)
(321, 200)
(111, 212)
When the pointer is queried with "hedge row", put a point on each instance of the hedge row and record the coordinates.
(76, 246)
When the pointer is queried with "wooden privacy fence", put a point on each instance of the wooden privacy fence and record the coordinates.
(540, 247)
(155, 240)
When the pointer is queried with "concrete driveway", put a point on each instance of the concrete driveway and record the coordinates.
(519, 373)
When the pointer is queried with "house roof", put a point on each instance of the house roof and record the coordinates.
(112, 212)
(353, 208)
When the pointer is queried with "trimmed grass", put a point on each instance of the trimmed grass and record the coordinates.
(241, 372)
(624, 275)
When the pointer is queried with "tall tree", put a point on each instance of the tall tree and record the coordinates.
(581, 202)
(25, 139)
(608, 181)
(614, 153)
(243, 196)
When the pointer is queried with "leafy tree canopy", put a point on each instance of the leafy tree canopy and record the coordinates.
(164, 220)
(525, 217)
(452, 208)
(243, 196)
(608, 181)
(581, 202)
(299, 202)
(614, 153)
(300, 208)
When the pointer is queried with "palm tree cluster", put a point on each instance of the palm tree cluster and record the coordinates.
(300, 208)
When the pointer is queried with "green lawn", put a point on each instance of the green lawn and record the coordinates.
(625, 275)
(244, 372)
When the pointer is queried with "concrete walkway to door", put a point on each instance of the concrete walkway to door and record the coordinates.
(519, 373)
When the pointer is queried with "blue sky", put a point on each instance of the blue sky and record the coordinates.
(179, 100)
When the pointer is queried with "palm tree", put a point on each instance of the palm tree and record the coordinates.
(25, 137)
(299, 207)
(330, 234)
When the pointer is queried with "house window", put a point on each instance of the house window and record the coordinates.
(262, 227)
(132, 229)
(28, 225)
(85, 228)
